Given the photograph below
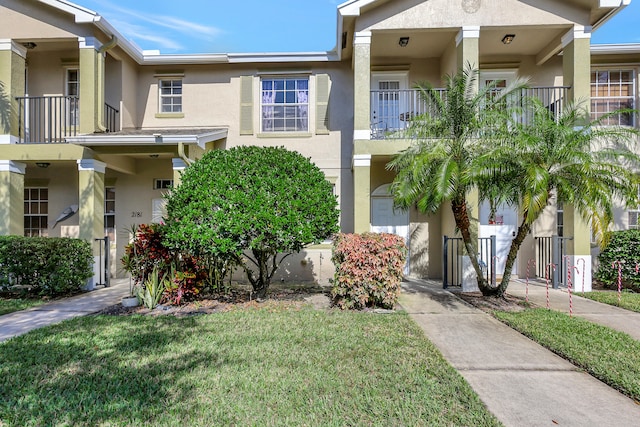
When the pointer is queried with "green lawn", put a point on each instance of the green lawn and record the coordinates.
(271, 366)
(611, 356)
(629, 300)
(9, 305)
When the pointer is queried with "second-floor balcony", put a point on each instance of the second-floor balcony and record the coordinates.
(52, 119)
(393, 110)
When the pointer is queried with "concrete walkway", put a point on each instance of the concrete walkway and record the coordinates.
(21, 322)
(522, 383)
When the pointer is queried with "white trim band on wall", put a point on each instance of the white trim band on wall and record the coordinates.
(178, 164)
(11, 166)
(362, 160)
(91, 165)
(578, 32)
(468, 32)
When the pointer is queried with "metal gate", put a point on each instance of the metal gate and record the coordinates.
(453, 251)
(551, 251)
(103, 262)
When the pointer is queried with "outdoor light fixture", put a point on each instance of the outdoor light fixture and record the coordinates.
(508, 38)
(153, 156)
(43, 165)
(29, 45)
(404, 41)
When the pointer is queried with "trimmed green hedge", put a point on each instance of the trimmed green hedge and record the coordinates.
(624, 246)
(44, 265)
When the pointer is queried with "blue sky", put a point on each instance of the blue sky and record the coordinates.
(222, 26)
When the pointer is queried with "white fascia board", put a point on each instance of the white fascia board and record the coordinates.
(614, 3)
(238, 58)
(82, 15)
(200, 58)
(353, 7)
(612, 49)
(130, 140)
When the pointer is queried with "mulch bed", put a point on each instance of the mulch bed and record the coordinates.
(234, 299)
(489, 304)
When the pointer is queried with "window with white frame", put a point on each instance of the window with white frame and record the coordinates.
(36, 211)
(170, 95)
(612, 90)
(110, 211)
(285, 104)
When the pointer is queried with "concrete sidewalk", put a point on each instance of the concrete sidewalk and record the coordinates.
(21, 322)
(522, 383)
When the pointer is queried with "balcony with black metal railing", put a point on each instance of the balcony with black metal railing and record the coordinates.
(52, 119)
(392, 111)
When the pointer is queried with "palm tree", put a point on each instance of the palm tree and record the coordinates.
(579, 161)
(461, 123)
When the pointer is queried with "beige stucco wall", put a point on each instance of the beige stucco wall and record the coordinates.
(34, 20)
(447, 14)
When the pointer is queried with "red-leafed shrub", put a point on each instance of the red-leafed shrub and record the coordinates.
(368, 270)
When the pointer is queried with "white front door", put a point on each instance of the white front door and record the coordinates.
(388, 102)
(386, 219)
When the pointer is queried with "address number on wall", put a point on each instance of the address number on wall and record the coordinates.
(136, 214)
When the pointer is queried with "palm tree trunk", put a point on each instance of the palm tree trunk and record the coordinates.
(523, 230)
(461, 217)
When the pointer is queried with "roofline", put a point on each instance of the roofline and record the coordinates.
(615, 48)
(619, 5)
(155, 138)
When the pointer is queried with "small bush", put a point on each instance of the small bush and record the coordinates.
(186, 276)
(368, 270)
(624, 246)
(45, 266)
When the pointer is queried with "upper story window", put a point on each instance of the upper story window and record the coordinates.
(285, 104)
(170, 95)
(612, 90)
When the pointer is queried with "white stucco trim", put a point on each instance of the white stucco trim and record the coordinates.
(91, 165)
(362, 160)
(178, 164)
(468, 32)
(362, 37)
(12, 166)
(89, 43)
(578, 32)
(8, 139)
(614, 3)
(362, 134)
(353, 7)
(8, 44)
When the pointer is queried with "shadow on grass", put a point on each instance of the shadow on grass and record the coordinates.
(104, 371)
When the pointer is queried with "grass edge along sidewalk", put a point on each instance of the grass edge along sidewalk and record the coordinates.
(611, 356)
(278, 364)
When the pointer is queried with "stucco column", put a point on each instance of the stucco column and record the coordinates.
(12, 75)
(91, 198)
(468, 47)
(91, 209)
(362, 193)
(362, 85)
(179, 166)
(11, 197)
(91, 86)
(576, 67)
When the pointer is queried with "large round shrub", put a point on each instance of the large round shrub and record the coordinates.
(624, 246)
(252, 205)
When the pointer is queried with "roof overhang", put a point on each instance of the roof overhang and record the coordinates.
(150, 138)
(615, 49)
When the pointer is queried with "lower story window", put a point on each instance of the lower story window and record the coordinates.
(110, 212)
(36, 211)
(633, 219)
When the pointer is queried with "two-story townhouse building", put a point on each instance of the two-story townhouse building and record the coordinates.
(100, 127)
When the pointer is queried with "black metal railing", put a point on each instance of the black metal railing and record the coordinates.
(453, 255)
(393, 110)
(47, 119)
(550, 259)
(111, 118)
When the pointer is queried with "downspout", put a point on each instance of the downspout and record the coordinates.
(182, 154)
(102, 51)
